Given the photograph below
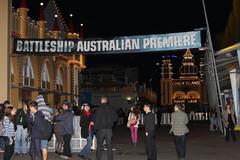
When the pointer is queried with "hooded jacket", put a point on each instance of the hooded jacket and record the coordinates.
(44, 108)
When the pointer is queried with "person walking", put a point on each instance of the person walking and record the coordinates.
(179, 121)
(86, 125)
(150, 132)
(105, 118)
(66, 120)
(229, 122)
(21, 132)
(133, 122)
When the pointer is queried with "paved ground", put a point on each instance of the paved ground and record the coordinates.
(201, 145)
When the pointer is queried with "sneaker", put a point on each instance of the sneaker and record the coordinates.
(64, 157)
(105, 149)
(113, 149)
(81, 156)
(58, 153)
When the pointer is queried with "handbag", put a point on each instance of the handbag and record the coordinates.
(237, 128)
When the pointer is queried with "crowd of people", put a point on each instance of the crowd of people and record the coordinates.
(33, 124)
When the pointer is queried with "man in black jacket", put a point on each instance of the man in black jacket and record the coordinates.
(149, 126)
(105, 117)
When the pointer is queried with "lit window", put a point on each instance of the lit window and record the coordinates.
(28, 75)
(45, 77)
(59, 81)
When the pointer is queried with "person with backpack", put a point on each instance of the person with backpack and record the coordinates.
(36, 121)
(21, 132)
(47, 111)
(66, 120)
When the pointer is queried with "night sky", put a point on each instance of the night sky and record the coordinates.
(107, 19)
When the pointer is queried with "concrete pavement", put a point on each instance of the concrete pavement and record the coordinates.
(201, 145)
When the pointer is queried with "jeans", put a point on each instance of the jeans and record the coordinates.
(35, 149)
(134, 134)
(86, 151)
(67, 146)
(101, 135)
(2, 144)
(180, 144)
(21, 144)
(9, 149)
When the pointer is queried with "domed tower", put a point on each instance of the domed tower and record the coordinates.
(188, 69)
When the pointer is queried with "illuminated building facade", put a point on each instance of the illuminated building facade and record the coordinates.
(188, 89)
(55, 77)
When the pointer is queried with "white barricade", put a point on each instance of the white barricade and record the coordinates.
(199, 116)
(166, 118)
(77, 143)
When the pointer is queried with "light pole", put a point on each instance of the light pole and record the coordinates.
(212, 72)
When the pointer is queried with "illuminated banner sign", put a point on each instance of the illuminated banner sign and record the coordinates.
(128, 44)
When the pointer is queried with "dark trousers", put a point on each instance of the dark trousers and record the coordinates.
(180, 144)
(35, 149)
(228, 130)
(66, 146)
(150, 145)
(101, 135)
(9, 149)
